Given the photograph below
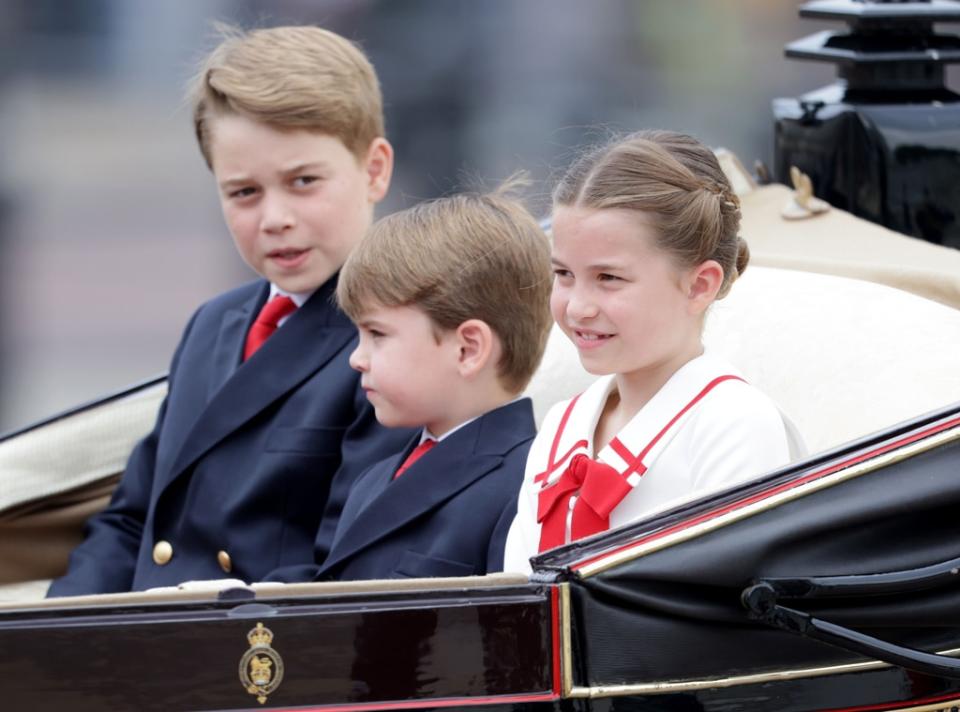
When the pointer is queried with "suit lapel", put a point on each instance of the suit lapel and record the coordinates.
(315, 333)
(229, 346)
(452, 465)
(378, 480)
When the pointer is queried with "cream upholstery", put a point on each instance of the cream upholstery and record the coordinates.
(75, 450)
(842, 357)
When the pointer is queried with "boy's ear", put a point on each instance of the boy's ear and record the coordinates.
(703, 283)
(477, 345)
(379, 168)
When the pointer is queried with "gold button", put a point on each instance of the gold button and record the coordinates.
(162, 553)
(225, 563)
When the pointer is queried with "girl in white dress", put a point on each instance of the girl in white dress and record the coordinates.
(646, 238)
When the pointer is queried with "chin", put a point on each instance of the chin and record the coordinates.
(300, 283)
(595, 369)
(394, 420)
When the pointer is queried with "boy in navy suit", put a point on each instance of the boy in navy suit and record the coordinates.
(260, 429)
(451, 301)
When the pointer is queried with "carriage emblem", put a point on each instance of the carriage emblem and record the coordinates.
(261, 667)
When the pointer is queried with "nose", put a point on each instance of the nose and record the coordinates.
(277, 215)
(580, 305)
(358, 360)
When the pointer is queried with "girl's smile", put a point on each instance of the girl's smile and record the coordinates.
(589, 339)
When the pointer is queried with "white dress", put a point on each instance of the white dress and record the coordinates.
(705, 430)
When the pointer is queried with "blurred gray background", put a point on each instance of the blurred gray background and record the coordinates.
(110, 230)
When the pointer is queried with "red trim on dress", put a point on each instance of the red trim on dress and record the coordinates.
(578, 504)
(552, 458)
(637, 464)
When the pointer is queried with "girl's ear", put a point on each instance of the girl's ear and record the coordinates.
(379, 168)
(476, 343)
(703, 283)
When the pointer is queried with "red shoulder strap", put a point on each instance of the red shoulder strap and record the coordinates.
(635, 463)
(552, 459)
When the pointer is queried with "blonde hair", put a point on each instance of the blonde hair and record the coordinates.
(468, 256)
(290, 77)
(673, 179)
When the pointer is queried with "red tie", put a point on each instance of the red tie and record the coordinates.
(267, 321)
(417, 453)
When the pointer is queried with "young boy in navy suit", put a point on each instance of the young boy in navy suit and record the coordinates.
(264, 422)
(451, 301)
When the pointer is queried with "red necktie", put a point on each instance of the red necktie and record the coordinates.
(417, 453)
(599, 489)
(267, 321)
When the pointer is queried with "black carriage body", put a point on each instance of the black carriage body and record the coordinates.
(884, 141)
(643, 618)
(657, 609)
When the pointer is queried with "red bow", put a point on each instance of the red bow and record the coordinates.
(599, 489)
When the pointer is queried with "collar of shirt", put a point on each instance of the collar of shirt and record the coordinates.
(427, 435)
(299, 298)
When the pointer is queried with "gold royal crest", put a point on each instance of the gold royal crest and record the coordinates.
(261, 667)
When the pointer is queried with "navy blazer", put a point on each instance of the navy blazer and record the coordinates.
(447, 515)
(244, 455)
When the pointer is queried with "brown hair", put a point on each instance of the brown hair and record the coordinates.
(674, 179)
(468, 256)
(290, 77)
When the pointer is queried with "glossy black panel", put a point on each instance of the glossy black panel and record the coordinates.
(884, 142)
(894, 164)
(479, 643)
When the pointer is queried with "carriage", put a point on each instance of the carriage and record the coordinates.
(829, 584)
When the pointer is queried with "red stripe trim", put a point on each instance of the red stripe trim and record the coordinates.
(424, 703)
(898, 705)
(621, 450)
(637, 462)
(766, 494)
(550, 470)
(551, 461)
(555, 643)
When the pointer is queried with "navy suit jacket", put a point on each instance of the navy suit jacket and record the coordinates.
(447, 515)
(244, 456)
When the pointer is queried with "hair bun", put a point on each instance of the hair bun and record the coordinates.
(743, 255)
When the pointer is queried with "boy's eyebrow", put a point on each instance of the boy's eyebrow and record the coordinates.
(368, 322)
(309, 165)
(230, 182)
(296, 168)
